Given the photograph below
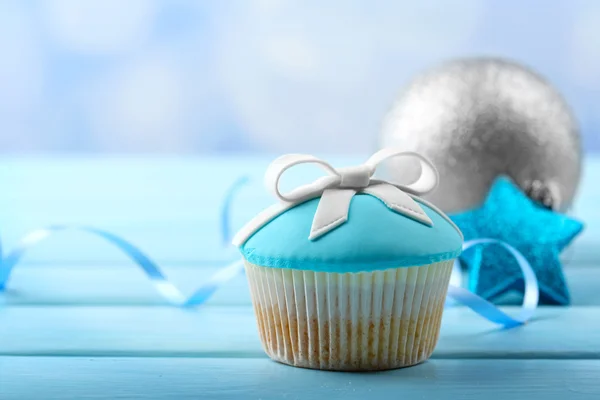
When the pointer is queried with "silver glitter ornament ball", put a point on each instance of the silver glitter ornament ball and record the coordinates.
(480, 118)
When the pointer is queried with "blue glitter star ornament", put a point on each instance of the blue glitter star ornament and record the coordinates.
(538, 233)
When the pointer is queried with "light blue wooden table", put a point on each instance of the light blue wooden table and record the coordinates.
(79, 321)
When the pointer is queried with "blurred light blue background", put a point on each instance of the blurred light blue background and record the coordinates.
(185, 76)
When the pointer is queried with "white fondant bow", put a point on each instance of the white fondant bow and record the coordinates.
(337, 189)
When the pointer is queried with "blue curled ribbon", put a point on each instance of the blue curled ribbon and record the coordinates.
(226, 209)
(484, 307)
(175, 297)
(162, 285)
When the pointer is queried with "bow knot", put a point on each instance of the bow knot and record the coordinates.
(337, 188)
(357, 177)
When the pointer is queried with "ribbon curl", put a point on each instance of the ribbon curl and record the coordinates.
(163, 286)
(168, 290)
(486, 309)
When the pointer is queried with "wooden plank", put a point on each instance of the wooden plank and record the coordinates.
(122, 285)
(561, 333)
(192, 245)
(169, 205)
(194, 242)
(175, 378)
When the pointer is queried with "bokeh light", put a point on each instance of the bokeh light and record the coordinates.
(260, 75)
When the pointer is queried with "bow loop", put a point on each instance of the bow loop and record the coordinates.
(428, 178)
(302, 193)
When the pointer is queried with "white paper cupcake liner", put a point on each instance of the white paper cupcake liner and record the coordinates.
(349, 321)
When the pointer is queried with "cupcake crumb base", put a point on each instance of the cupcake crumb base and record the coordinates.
(349, 322)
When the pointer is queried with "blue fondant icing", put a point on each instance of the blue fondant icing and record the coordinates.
(373, 238)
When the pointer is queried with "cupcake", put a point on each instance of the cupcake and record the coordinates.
(349, 272)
